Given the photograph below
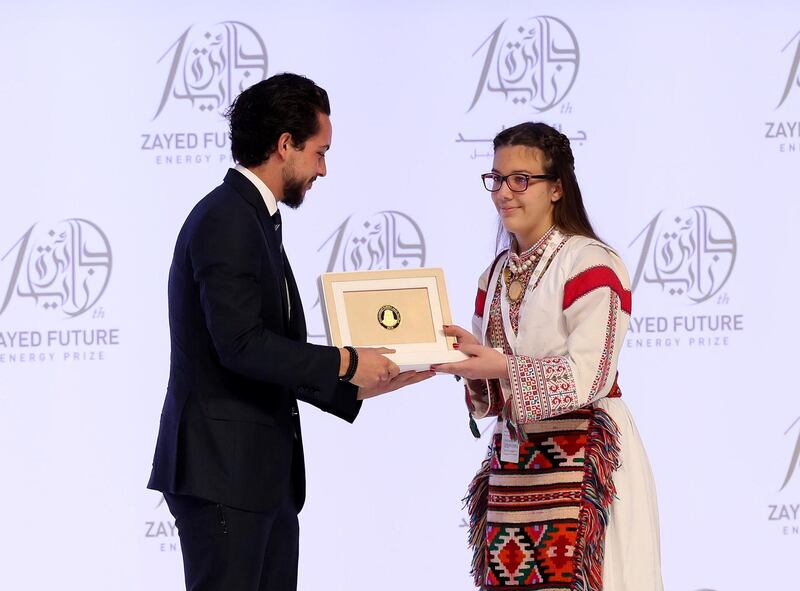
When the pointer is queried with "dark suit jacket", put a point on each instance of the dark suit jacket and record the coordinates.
(230, 431)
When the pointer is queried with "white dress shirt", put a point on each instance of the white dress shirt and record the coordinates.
(266, 194)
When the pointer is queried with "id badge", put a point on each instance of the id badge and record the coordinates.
(509, 448)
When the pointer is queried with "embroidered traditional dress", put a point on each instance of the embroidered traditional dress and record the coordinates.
(577, 509)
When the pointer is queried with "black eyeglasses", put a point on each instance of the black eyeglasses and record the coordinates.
(517, 182)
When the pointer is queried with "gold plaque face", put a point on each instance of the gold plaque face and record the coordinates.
(389, 316)
(403, 309)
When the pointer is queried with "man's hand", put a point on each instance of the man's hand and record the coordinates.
(400, 381)
(373, 368)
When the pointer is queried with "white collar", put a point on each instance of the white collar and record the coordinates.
(266, 194)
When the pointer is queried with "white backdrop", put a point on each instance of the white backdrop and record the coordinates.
(685, 122)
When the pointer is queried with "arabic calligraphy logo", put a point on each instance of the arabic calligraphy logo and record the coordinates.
(795, 455)
(533, 63)
(385, 240)
(65, 266)
(689, 253)
(794, 76)
(210, 68)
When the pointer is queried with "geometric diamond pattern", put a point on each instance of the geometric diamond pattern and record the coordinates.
(512, 555)
(541, 553)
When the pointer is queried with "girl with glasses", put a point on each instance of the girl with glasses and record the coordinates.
(565, 498)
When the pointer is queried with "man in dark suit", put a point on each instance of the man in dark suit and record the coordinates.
(229, 455)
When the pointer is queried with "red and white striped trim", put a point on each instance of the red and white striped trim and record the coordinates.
(592, 279)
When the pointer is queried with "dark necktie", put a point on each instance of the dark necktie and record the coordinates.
(276, 221)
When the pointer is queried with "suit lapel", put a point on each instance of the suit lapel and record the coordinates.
(250, 193)
(297, 320)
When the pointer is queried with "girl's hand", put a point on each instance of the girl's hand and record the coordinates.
(463, 336)
(484, 363)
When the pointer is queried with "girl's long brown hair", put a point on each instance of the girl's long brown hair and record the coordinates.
(569, 214)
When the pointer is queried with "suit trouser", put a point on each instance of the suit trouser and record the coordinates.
(228, 549)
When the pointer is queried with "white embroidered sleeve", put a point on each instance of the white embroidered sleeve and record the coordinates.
(484, 398)
(596, 308)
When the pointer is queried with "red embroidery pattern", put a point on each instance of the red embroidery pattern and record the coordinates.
(495, 332)
(604, 367)
(550, 260)
(592, 279)
(480, 297)
(542, 388)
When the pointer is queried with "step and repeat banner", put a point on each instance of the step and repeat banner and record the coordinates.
(685, 123)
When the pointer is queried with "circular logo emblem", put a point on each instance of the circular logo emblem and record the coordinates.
(389, 317)
(63, 266)
(532, 62)
(212, 65)
(690, 253)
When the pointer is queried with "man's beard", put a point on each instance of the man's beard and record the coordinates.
(294, 188)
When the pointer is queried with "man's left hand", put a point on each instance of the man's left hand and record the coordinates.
(399, 381)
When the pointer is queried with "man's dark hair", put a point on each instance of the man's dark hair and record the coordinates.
(284, 103)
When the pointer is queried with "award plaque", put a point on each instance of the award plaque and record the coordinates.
(402, 310)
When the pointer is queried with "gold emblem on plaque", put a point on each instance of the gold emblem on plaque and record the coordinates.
(389, 317)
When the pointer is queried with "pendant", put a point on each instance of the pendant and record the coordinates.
(515, 291)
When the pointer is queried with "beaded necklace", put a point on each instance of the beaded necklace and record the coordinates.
(516, 275)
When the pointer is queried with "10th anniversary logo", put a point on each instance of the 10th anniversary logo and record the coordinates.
(56, 271)
(208, 68)
(528, 66)
(685, 257)
(383, 240)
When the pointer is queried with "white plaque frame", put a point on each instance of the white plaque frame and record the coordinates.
(417, 356)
